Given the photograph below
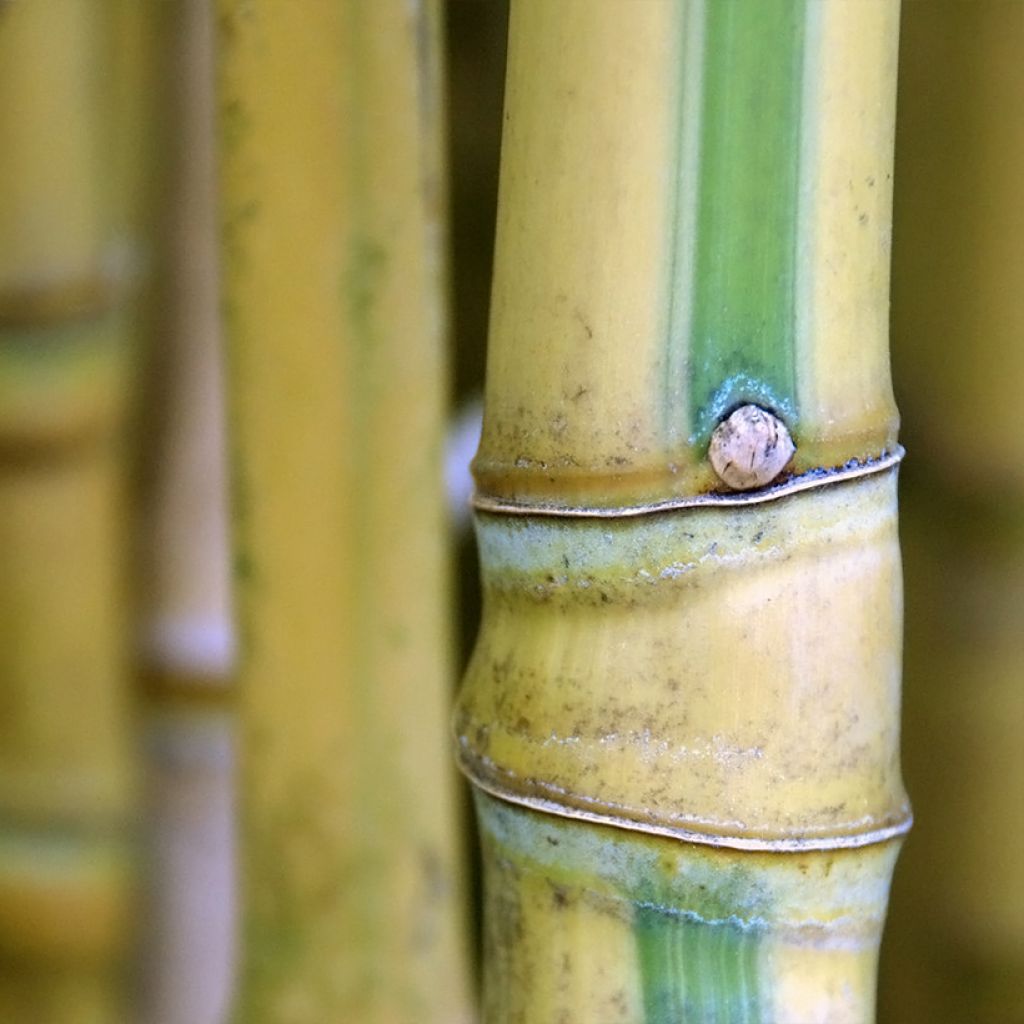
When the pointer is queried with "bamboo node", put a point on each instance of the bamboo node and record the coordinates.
(43, 306)
(750, 448)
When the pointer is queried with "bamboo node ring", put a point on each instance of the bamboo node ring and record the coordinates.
(750, 448)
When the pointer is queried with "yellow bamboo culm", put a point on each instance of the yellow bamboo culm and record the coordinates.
(331, 178)
(65, 759)
(682, 712)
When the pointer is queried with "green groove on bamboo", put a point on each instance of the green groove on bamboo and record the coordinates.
(704, 697)
(744, 291)
(685, 966)
(70, 230)
(331, 165)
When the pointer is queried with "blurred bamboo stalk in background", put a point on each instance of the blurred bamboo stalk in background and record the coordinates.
(682, 713)
(334, 279)
(956, 950)
(183, 573)
(75, 77)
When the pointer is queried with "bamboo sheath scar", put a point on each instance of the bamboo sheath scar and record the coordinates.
(682, 712)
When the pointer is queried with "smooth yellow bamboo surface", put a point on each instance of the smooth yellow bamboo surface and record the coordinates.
(956, 948)
(66, 780)
(694, 226)
(51, 111)
(334, 275)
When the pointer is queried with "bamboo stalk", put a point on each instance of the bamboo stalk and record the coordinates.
(185, 586)
(699, 651)
(334, 270)
(66, 784)
(184, 615)
(956, 947)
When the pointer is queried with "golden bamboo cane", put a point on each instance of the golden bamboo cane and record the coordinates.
(71, 200)
(682, 713)
(334, 271)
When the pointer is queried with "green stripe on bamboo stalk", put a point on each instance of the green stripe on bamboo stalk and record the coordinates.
(714, 673)
(743, 301)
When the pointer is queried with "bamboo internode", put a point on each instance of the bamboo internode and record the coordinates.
(729, 676)
(694, 213)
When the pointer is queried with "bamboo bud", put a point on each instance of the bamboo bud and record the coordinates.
(750, 448)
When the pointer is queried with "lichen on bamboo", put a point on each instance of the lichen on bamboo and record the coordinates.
(693, 218)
